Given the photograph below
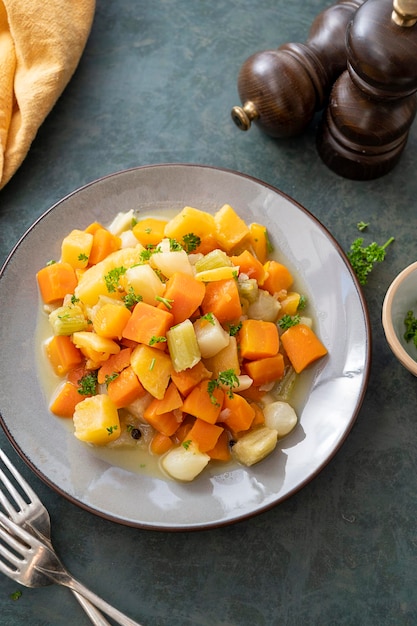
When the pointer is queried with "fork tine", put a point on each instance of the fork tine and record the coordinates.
(15, 545)
(9, 529)
(13, 492)
(31, 495)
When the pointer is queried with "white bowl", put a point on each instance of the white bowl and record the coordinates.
(400, 298)
(334, 387)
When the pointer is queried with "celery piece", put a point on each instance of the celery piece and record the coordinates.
(183, 346)
(213, 260)
(68, 319)
(248, 289)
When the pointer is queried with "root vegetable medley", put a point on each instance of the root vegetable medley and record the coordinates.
(179, 333)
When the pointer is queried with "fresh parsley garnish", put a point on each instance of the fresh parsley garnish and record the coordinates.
(362, 225)
(88, 384)
(234, 329)
(175, 246)
(131, 298)
(186, 444)
(110, 377)
(410, 322)
(228, 378)
(155, 340)
(82, 257)
(287, 321)
(166, 301)
(209, 318)
(191, 242)
(112, 278)
(111, 429)
(302, 303)
(363, 258)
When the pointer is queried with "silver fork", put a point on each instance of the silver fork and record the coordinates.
(33, 561)
(33, 516)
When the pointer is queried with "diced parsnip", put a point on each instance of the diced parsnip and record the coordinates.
(185, 462)
(183, 346)
(153, 368)
(92, 283)
(96, 420)
(231, 230)
(211, 336)
(281, 417)
(122, 222)
(170, 262)
(213, 260)
(145, 282)
(68, 319)
(244, 383)
(127, 239)
(255, 445)
(265, 307)
(76, 248)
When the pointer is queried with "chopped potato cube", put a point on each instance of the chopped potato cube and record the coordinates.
(96, 420)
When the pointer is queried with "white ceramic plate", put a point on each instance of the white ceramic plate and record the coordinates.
(335, 386)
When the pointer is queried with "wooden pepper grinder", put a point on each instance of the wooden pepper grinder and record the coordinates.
(373, 104)
(281, 89)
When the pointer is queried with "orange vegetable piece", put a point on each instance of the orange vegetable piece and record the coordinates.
(265, 370)
(160, 443)
(76, 373)
(66, 400)
(114, 364)
(186, 294)
(226, 359)
(205, 435)
(110, 320)
(170, 402)
(146, 323)
(249, 265)
(149, 231)
(56, 281)
(93, 227)
(126, 388)
(62, 354)
(184, 428)
(222, 299)
(278, 277)
(239, 413)
(103, 244)
(165, 423)
(302, 346)
(202, 404)
(208, 243)
(187, 379)
(259, 241)
(258, 339)
(221, 451)
(259, 418)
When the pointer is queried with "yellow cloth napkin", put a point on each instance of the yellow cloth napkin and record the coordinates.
(41, 42)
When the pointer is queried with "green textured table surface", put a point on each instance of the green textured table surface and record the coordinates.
(156, 84)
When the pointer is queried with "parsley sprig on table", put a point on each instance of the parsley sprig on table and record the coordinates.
(363, 258)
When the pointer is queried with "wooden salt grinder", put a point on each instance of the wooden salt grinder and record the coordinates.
(373, 104)
(281, 89)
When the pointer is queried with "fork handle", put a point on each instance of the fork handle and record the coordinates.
(108, 609)
(93, 613)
